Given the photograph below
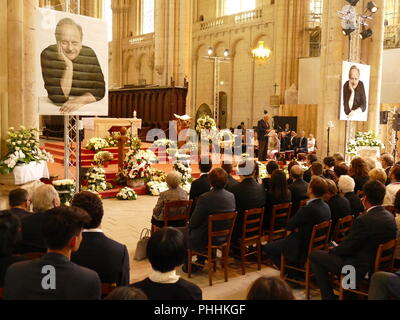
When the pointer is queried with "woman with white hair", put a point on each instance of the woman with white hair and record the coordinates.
(273, 144)
(346, 186)
(174, 193)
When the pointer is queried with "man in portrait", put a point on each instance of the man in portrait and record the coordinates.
(354, 98)
(71, 71)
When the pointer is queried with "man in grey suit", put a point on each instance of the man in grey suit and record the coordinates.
(54, 276)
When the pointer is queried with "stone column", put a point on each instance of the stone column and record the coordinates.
(116, 67)
(3, 78)
(333, 51)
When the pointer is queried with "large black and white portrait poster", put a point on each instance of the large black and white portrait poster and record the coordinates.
(72, 58)
(355, 91)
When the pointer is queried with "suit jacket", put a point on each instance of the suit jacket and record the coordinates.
(340, 207)
(110, 259)
(176, 194)
(355, 203)
(199, 186)
(387, 170)
(299, 192)
(307, 175)
(5, 262)
(296, 245)
(248, 195)
(376, 227)
(232, 182)
(24, 280)
(32, 238)
(214, 201)
(21, 213)
(360, 100)
(303, 144)
(262, 128)
(359, 181)
(293, 143)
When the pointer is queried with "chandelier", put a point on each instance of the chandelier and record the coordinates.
(261, 53)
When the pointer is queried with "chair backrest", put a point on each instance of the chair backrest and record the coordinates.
(391, 209)
(320, 236)
(279, 218)
(183, 205)
(384, 259)
(252, 223)
(342, 229)
(220, 227)
(106, 288)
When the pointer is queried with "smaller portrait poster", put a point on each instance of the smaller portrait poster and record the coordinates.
(72, 59)
(355, 91)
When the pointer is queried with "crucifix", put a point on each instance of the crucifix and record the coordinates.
(275, 86)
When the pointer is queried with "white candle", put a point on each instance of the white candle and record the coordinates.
(134, 114)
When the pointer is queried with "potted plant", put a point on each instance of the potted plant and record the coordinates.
(103, 158)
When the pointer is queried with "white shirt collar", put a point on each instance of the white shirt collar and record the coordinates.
(93, 230)
(203, 173)
(372, 208)
(164, 277)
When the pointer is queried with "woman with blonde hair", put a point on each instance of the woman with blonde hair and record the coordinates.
(378, 174)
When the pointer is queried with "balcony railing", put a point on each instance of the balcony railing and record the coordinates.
(392, 37)
(141, 38)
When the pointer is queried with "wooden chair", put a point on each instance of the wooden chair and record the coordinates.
(106, 288)
(391, 209)
(251, 235)
(319, 241)
(168, 217)
(279, 218)
(342, 229)
(384, 261)
(215, 230)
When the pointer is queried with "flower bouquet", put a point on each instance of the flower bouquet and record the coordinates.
(96, 178)
(205, 123)
(96, 144)
(363, 139)
(184, 169)
(137, 165)
(103, 157)
(23, 148)
(66, 190)
(156, 187)
(127, 194)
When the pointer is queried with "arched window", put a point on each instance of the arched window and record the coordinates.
(107, 15)
(235, 6)
(147, 16)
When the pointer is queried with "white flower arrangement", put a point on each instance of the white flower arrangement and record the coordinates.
(363, 139)
(96, 144)
(262, 170)
(23, 148)
(66, 190)
(127, 194)
(226, 138)
(205, 123)
(138, 164)
(184, 169)
(103, 156)
(156, 187)
(96, 178)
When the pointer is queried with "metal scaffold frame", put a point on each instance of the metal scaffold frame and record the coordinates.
(71, 149)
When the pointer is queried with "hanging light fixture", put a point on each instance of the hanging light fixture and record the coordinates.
(261, 53)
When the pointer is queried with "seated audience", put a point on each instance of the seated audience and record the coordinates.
(371, 164)
(289, 168)
(26, 280)
(378, 174)
(44, 198)
(271, 167)
(387, 162)
(397, 209)
(384, 286)
(10, 226)
(311, 143)
(377, 226)
(317, 169)
(20, 202)
(295, 246)
(107, 257)
(231, 180)
(270, 288)
(302, 143)
(279, 193)
(217, 200)
(393, 187)
(341, 170)
(126, 293)
(166, 251)
(339, 159)
(346, 187)
(359, 172)
(248, 194)
(298, 188)
(202, 184)
(328, 172)
(311, 158)
(174, 193)
(339, 205)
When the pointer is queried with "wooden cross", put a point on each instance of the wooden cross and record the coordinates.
(276, 86)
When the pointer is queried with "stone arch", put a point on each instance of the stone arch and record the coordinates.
(204, 109)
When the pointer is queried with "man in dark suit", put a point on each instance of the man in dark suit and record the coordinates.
(302, 143)
(271, 167)
(19, 201)
(387, 161)
(298, 188)
(295, 246)
(231, 180)
(54, 276)
(376, 227)
(202, 184)
(263, 128)
(248, 194)
(44, 198)
(217, 200)
(311, 158)
(293, 141)
(109, 258)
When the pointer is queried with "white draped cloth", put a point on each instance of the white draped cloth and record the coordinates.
(30, 172)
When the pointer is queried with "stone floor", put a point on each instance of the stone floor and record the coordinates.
(124, 221)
